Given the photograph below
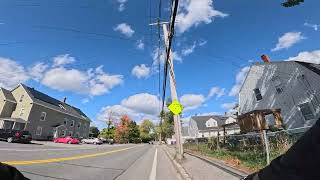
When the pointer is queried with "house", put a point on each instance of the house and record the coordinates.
(209, 126)
(25, 108)
(291, 86)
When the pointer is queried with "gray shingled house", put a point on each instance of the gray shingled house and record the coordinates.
(207, 126)
(291, 86)
(43, 116)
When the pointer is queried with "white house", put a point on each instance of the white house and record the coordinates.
(207, 126)
(293, 87)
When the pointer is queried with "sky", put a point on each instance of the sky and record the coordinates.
(103, 55)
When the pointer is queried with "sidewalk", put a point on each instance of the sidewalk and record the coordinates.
(198, 169)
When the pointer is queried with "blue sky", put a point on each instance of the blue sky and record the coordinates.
(100, 54)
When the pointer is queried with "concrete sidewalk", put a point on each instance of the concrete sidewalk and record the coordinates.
(198, 169)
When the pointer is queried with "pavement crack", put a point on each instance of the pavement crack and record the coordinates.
(94, 167)
(44, 175)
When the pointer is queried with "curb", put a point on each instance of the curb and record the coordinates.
(183, 173)
(220, 165)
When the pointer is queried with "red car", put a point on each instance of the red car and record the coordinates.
(66, 140)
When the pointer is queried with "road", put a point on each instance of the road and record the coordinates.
(49, 161)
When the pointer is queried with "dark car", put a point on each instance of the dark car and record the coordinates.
(11, 136)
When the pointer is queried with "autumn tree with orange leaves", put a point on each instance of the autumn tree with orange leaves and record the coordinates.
(122, 130)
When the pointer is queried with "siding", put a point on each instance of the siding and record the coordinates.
(54, 118)
(296, 90)
(26, 103)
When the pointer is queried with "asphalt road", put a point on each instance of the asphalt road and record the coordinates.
(50, 161)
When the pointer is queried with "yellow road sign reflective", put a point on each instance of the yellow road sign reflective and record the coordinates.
(175, 107)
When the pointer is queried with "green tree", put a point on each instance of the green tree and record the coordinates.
(134, 133)
(167, 125)
(108, 133)
(146, 130)
(291, 3)
(94, 131)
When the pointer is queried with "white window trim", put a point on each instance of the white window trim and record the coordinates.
(45, 116)
(72, 123)
(78, 125)
(64, 132)
(21, 112)
(70, 133)
(39, 134)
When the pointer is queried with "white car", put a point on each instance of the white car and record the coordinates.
(91, 140)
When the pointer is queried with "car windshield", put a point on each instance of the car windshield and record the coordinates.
(158, 89)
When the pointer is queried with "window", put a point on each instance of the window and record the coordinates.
(63, 133)
(70, 133)
(21, 111)
(21, 98)
(43, 116)
(79, 125)
(72, 123)
(65, 121)
(279, 89)
(257, 93)
(39, 131)
(306, 111)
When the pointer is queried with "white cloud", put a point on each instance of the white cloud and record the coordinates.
(138, 107)
(229, 105)
(11, 73)
(154, 54)
(85, 100)
(194, 12)
(36, 71)
(93, 82)
(240, 77)
(62, 60)
(314, 26)
(188, 50)
(142, 103)
(287, 40)
(216, 91)
(192, 101)
(125, 29)
(306, 56)
(202, 42)
(141, 71)
(121, 5)
(140, 44)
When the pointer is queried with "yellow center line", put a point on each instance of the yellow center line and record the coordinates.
(39, 161)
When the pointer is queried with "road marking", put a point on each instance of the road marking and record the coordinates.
(153, 173)
(64, 159)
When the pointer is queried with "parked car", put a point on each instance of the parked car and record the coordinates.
(91, 140)
(66, 140)
(11, 136)
(110, 141)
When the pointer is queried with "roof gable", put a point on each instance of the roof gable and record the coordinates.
(202, 120)
(8, 95)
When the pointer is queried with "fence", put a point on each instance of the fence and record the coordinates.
(251, 151)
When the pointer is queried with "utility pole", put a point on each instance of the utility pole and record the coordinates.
(174, 96)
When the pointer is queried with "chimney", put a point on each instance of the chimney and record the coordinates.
(265, 58)
(64, 99)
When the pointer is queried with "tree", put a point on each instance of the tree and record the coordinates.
(94, 131)
(134, 133)
(146, 130)
(167, 125)
(108, 133)
(122, 130)
(291, 3)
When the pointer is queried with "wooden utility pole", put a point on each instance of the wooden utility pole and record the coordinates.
(174, 96)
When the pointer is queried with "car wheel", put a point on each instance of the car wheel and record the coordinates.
(95, 143)
(69, 142)
(10, 140)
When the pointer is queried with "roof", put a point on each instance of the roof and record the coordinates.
(311, 66)
(8, 95)
(43, 99)
(201, 121)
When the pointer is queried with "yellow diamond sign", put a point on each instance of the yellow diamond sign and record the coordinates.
(175, 107)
